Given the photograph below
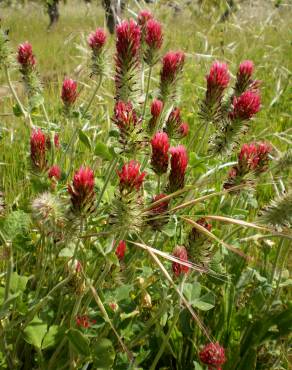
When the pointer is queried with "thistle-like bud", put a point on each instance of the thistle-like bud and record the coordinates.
(244, 77)
(25, 56)
(144, 16)
(127, 59)
(127, 205)
(27, 62)
(198, 246)
(130, 177)
(180, 252)
(156, 110)
(179, 162)
(126, 119)
(82, 191)
(246, 106)
(159, 158)
(153, 40)
(158, 213)
(54, 173)
(121, 250)
(217, 81)
(174, 126)
(172, 66)
(69, 93)
(213, 355)
(183, 130)
(96, 42)
(38, 147)
(253, 158)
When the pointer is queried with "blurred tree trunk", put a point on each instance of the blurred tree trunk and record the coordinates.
(53, 11)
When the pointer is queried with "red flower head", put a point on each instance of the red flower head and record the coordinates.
(245, 69)
(38, 145)
(172, 64)
(153, 37)
(157, 210)
(213, 355)
(180, 252)
(54, 172)
(128, 39)
(82, 190)
(25, 56)
(144, 16)
(124, 116)
(130, 176)
(183, 129)
(179, 162)
(246, 105)
(127, 58)
(69, 92)
(254, 157)
(159, 158)
(156, 108)
(97, 39)
(121, 250)
(218, 77)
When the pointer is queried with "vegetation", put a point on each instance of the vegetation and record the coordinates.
(146, 188)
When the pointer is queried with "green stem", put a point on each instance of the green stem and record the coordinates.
(165, 341)
(13, 92)
(9, 271)
(147, 91)
(279, 250)
(92, 97)
(109, 174)
(202, 141)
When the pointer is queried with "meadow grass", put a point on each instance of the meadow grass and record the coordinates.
(264, 38)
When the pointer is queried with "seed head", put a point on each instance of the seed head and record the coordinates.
(130, 177)
(159, 158)
(213, 355)
(25, 56)
(38, 149)
(121, 250)
(180, 252)
(82, 190)
(179, 162)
